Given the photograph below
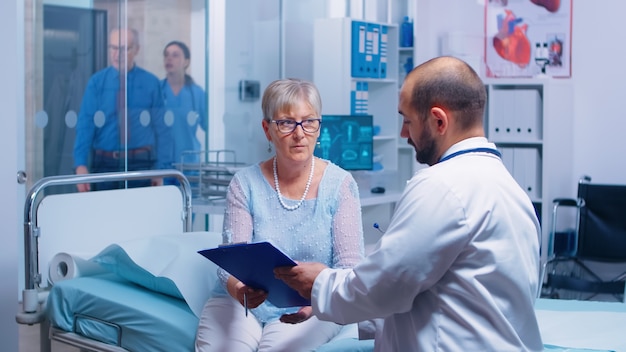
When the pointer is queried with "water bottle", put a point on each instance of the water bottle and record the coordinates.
(406, 32)
(408, 65)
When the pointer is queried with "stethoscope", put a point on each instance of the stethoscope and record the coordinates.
(473, 150)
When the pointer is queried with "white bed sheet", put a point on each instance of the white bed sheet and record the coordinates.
(86, 223)
(582, 324)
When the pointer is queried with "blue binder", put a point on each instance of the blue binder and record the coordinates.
(364, 100)
(354, 94)
(383, 51)
(358, 98)
(253, 264)
(359, 35)
(372, 50)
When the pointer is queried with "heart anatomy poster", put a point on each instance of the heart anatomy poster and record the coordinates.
(527, 38)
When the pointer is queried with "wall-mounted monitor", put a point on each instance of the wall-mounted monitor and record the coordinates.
(347, 141)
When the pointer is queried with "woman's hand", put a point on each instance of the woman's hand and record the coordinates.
(238, 290)
(301, 315)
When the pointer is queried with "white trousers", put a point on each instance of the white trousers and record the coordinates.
(224, 327)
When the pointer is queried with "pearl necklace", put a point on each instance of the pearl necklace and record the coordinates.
(306, 188)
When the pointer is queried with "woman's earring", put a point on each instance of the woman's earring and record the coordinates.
(269, 146)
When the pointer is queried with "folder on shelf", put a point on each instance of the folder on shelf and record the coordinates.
(372, 55)
(507, 159)
(501, 115)
(359, 34)
(253, 264)
(363, 99)
(515, 115)
(528, 114)
(527, 170)
(383, 51)
(354, 92)
(358, 98)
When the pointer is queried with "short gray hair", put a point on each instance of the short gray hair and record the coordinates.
(283, 94)
(132, 31)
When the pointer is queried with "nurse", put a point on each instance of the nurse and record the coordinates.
(185, 103)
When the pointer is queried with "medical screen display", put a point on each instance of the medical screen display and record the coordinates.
(347, 141)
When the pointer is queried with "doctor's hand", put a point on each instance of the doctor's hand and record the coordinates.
(300, 277)
(301, 315)
(238, 290)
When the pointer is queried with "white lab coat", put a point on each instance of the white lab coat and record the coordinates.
(458, 268)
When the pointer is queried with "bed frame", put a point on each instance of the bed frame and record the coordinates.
(45, 217)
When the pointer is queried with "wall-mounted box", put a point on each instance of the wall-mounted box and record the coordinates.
(249, 90)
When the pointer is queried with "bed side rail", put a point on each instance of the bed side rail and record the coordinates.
(34, 198)
(85, 344)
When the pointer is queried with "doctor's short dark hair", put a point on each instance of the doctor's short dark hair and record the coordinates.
(456, 87)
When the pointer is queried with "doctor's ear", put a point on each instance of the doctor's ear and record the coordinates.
(441, 117)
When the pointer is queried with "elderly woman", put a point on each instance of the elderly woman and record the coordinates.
(307, 206)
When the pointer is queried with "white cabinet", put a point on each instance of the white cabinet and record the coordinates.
(350, 54)
(340, 49)
(530, 120)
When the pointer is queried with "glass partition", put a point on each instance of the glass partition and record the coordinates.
(114, 85)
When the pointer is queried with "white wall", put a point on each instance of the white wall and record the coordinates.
(599, 74)
(299, 19)
(11, 93)
(252, 53)
(435, 18)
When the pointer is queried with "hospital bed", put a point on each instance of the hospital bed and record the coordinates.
(565, 326)
(151, 285)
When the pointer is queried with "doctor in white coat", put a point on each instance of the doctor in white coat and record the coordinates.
(457, 269)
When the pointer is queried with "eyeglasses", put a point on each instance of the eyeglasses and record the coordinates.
(288, 126)
(120, 48)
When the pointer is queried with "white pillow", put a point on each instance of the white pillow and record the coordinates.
(168, 264)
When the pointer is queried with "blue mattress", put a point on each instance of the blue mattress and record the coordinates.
(126, 314)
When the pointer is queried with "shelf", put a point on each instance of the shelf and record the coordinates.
(517, 143)
(537, 157)
(333, 63)
(384, 138)
(405, 48)
(205, 206)
(512, 82)
(370, 199)
(373, 80)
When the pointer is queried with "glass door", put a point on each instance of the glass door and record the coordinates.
(101, 85)
(113, 85)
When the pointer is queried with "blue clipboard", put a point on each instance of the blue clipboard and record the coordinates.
(253, 264)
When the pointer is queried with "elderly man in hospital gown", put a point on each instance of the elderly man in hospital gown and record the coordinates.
(458, 267)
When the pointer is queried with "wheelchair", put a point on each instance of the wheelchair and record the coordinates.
(588, 261)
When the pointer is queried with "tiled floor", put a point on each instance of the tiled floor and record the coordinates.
(29, 340)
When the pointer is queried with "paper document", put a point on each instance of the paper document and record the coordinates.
(253, 264)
